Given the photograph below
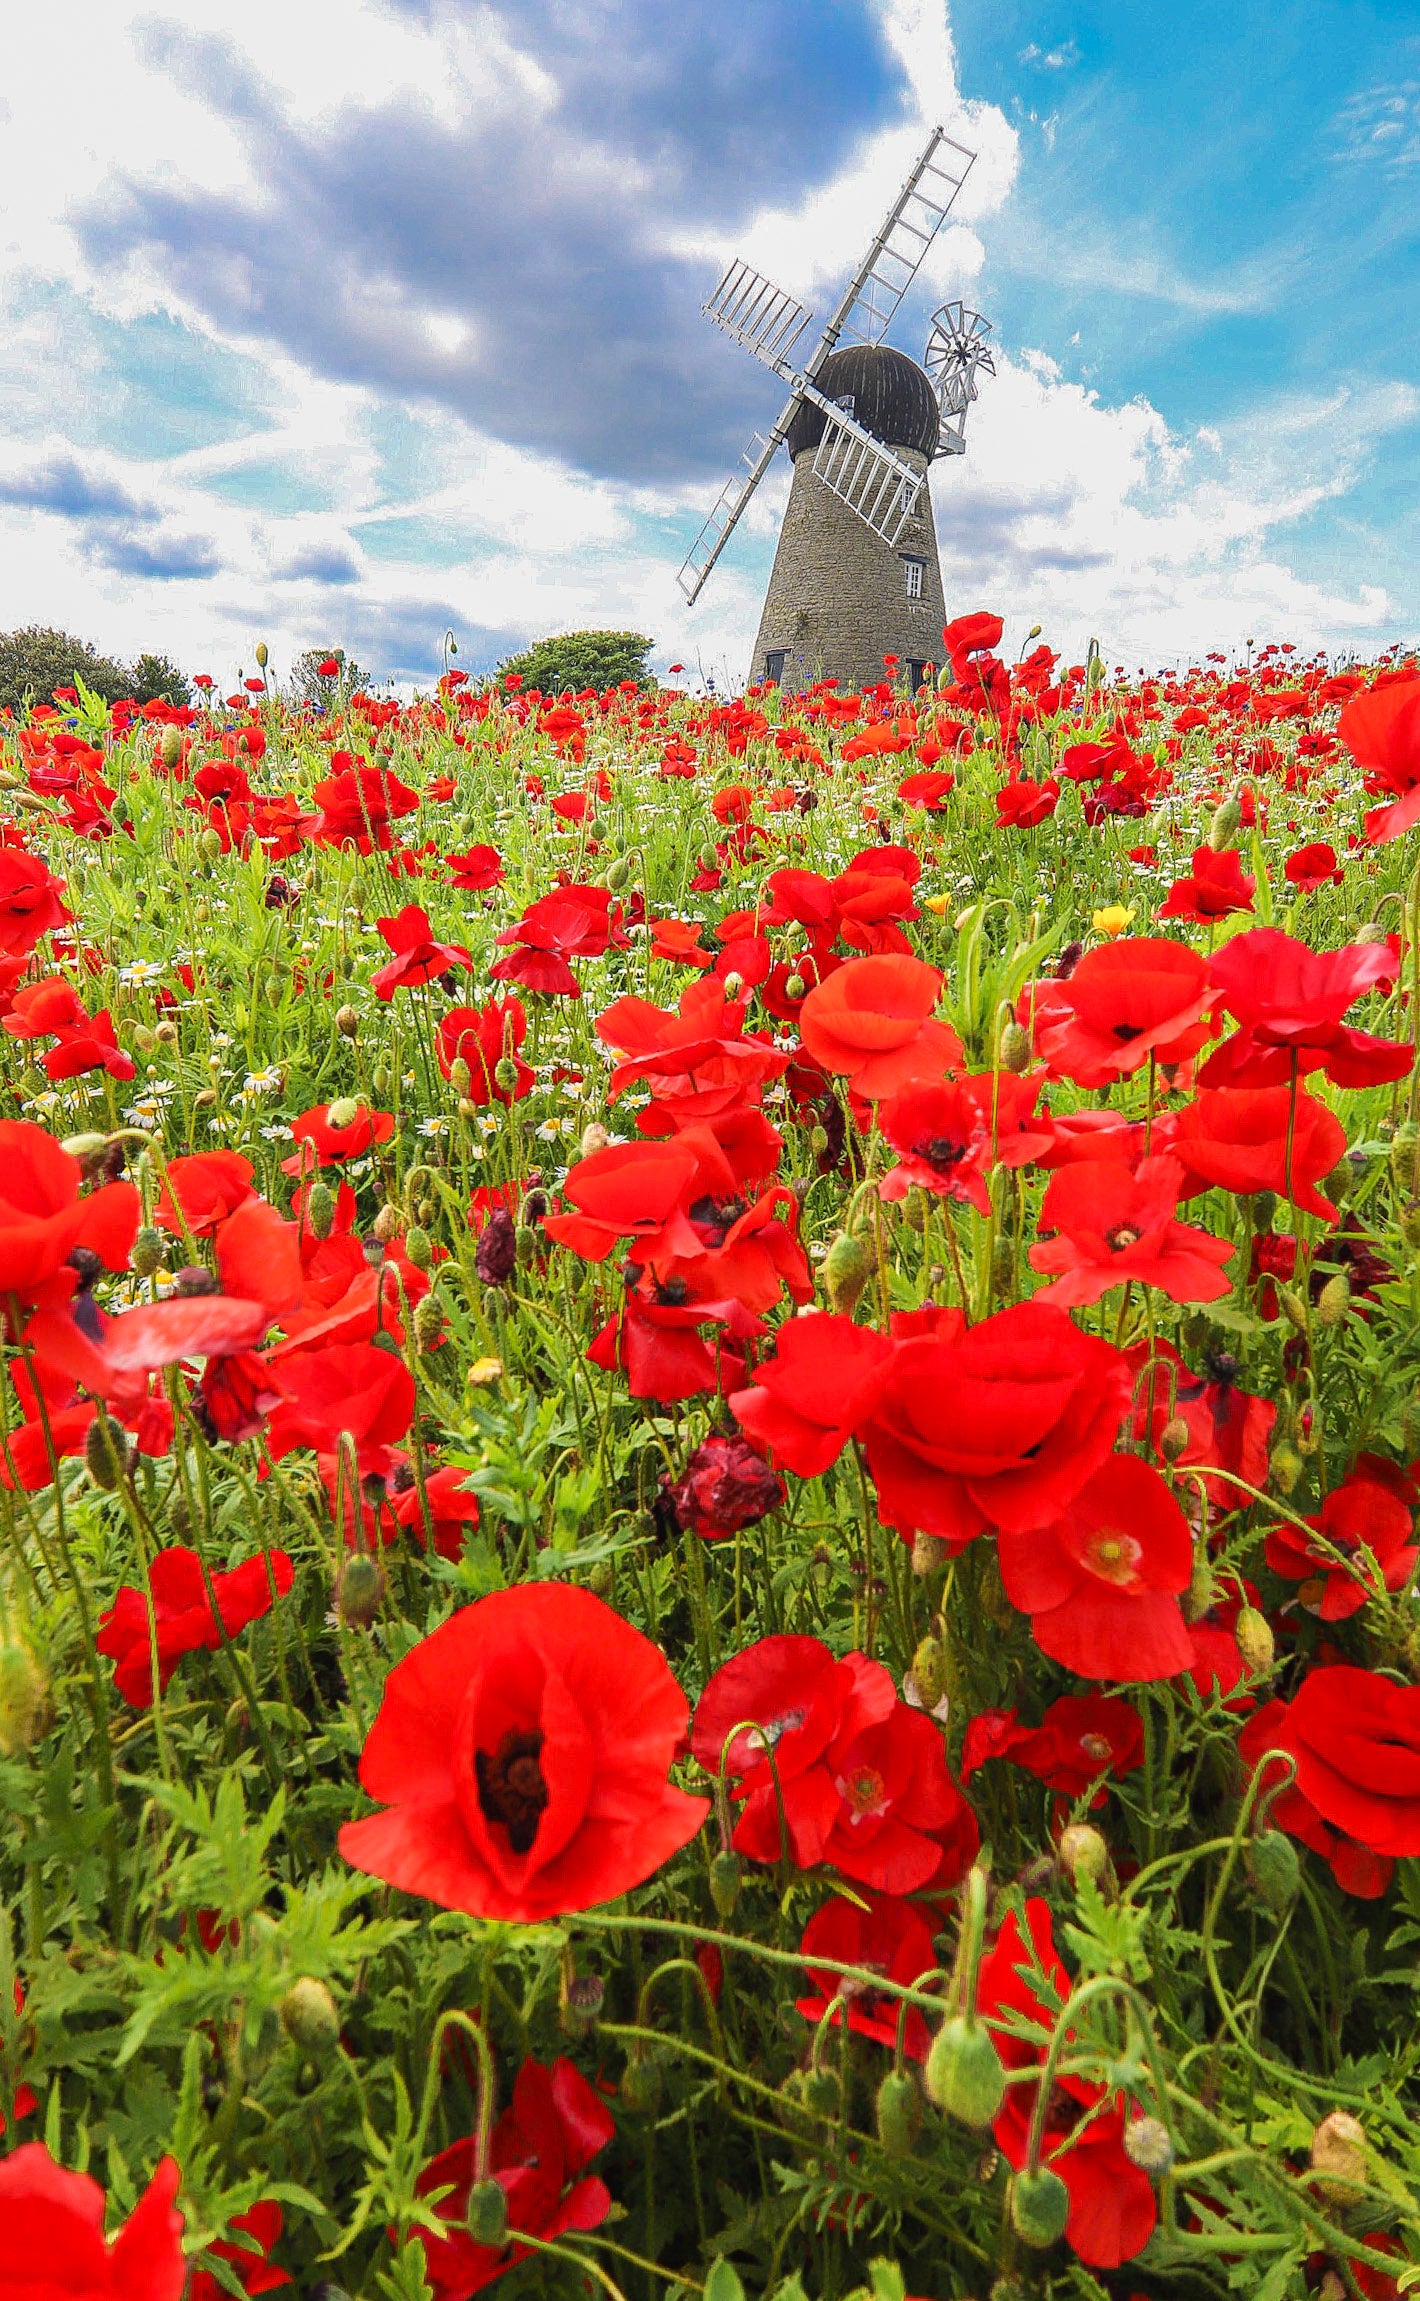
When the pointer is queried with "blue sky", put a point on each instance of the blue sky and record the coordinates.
(383, 318)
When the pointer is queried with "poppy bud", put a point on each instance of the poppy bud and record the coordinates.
(1014, 1049)
(822, 2091)
(388, 1224)
(383, 1079)
(1173, 1438)
(794, 988)
(847, 1267)
(1403, 1153)
(461, 1078)
(26, 1712)
(505, 1074)
(1200, 1593)
(594, 1139)
(360, 1590)
(818, 1141)
(929, 1671)
(707, 858)
(170, 747)
(898, 2113)
(320, 1210)
(1333, 1300)
(617, 874)
(601, 1578)
(107, 1454)
(582, 1998)
(1147, 2145)
(343, 1112)
(487, 2217)
(210, 843)
(1285, 1467)
(205, 1099)
(1083, 1853)
(725, 1882)
(1274, 1870)
(1337, 1184)
(347, 1022)
(143, 1039)
(1255, 1641)
(1227, 822)
(929, 1552)
(150, 1251)
(84, 1146)
(310, 2019)
(1040, 2206)
(642, 2083)
(261, 657)
(1338, 2157)
(963, 2073)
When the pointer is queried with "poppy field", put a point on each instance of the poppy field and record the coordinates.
(709, 1462)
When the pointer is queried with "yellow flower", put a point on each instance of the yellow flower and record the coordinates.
(483, 1371)
(936, 904)
(1113, 919)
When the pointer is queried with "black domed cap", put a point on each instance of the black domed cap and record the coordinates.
(892, 398)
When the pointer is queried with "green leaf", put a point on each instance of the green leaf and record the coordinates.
(723, 2283)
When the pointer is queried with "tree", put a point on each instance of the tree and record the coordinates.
(576, 659)
(309, 684)
(157, 679)
(35, 661)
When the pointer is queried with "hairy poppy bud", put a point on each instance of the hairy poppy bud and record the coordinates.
(143, 1039)
(210, 842)
(388, 1224)
(734, 985)
(1014, 1049)
(1173, 1438)
(1403, 1153)
(795, 988)
(642, 2083)
(1226, 824)
(310, 2019)
(1285, 1467)
(929, 1671)
(1338, 2157)
(487, 2216)
(170, 747)
(261, 655)
(725, 1882)
(1333, 1300)
(347, 1022)
(107, 1454)
(1083, 1852)
(582, 1999)
(594, 1138)
(1255, 1641)
(963, 2073)
(822, 2091)
(1337, 1184)
(505, 1074)
(418, 1246)
(929, 1552)
(707, 858)
(1147, 2145)
(898, 2113)
(617, 874)
(383, 1079)
(320, 1210)
(1040, 2206)
(601, 1578)
(26, 1713)
(343, 1112)
(847, 1267)
(1293, 1307)
(360, 1590)
(1274, 1870)
(150, 1251)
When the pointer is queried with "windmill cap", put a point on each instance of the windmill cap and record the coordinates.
(892, 398)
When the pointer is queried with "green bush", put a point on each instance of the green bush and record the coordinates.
(35, 661)
(156, 678)
(576, 659)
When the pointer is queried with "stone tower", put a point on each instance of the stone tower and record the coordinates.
(839, 597)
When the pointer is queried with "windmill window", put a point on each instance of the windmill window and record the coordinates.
(913, 570)
(774, 665)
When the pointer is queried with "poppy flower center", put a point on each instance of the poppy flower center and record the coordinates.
(1127, 1031)
(865, 1790)
(1095, 1746)
(1113, 1555)
(511, 1788)
(1122, 1235)
(717, 1216)
(940, 1152)
(672, 1295)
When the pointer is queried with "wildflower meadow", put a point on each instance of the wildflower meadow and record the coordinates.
(709, 1459)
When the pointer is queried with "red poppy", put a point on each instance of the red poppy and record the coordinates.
(725, 1485)
(1372, 1508)
(183, 1611)
(1216, 886)
(1381, 729)
(452, 1509)
(572, 922)
(331, 1142)
(255, 2273)
(885, 1935)
(538, 2154)
(1289, 1002)
(483, 1037)
(1021, 804)
(1081, 1739)
(343, 1388)
(699, 1061)
(43, 1218)
(863, 1778)
(998, 1424)
(930, 790)
(1101, 1583)
(43, 1009)
(871, 1023)
(972, 635)
(1125, 1001)
(1355, 1737)
(1115, 1226)
(418, 957)
(358, 804)
(1311, 867)
(520, 1753)
(939, 1131)
(657, 1344)
(1249, 1139)
(1112, 2206)
(818, 1388)
(55, 2248)
(1228, 1428)
(200, 1191)
(29, 901)
(677, 942)
(475, 870)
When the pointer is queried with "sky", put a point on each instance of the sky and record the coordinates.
(359, 322)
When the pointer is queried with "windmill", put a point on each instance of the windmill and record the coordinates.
(856, 575)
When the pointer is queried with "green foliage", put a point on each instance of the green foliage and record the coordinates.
(577, 659)
(36, 660)
(306, 683)
(156, 678)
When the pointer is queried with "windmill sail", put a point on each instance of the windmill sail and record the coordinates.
(728, 506)
(869, 303)
(765, 319)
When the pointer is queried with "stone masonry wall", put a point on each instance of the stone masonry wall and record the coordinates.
(837, 600)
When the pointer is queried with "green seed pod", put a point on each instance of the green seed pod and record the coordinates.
(1014, 1049)
(1226, 824)
(347, 1022)
(847, 1268)
(487, 2216)
(1333, 1300)
(26, 1712)
(320, 1210)
(1040, 2207)
(725, 1882)
(429, 1322)
(963, 2073)
(150, 1251)
(460, 1078)
(1147, 2145)
(310, 2018)
(898, 2113)
(795, 988)
(360, 1590)
(1274, 1871)
(170, 747)
(107, 1453)
(929, 1671)
(1255, 1641)
(418, 1246)
(505, 1074)
(343, 1112)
